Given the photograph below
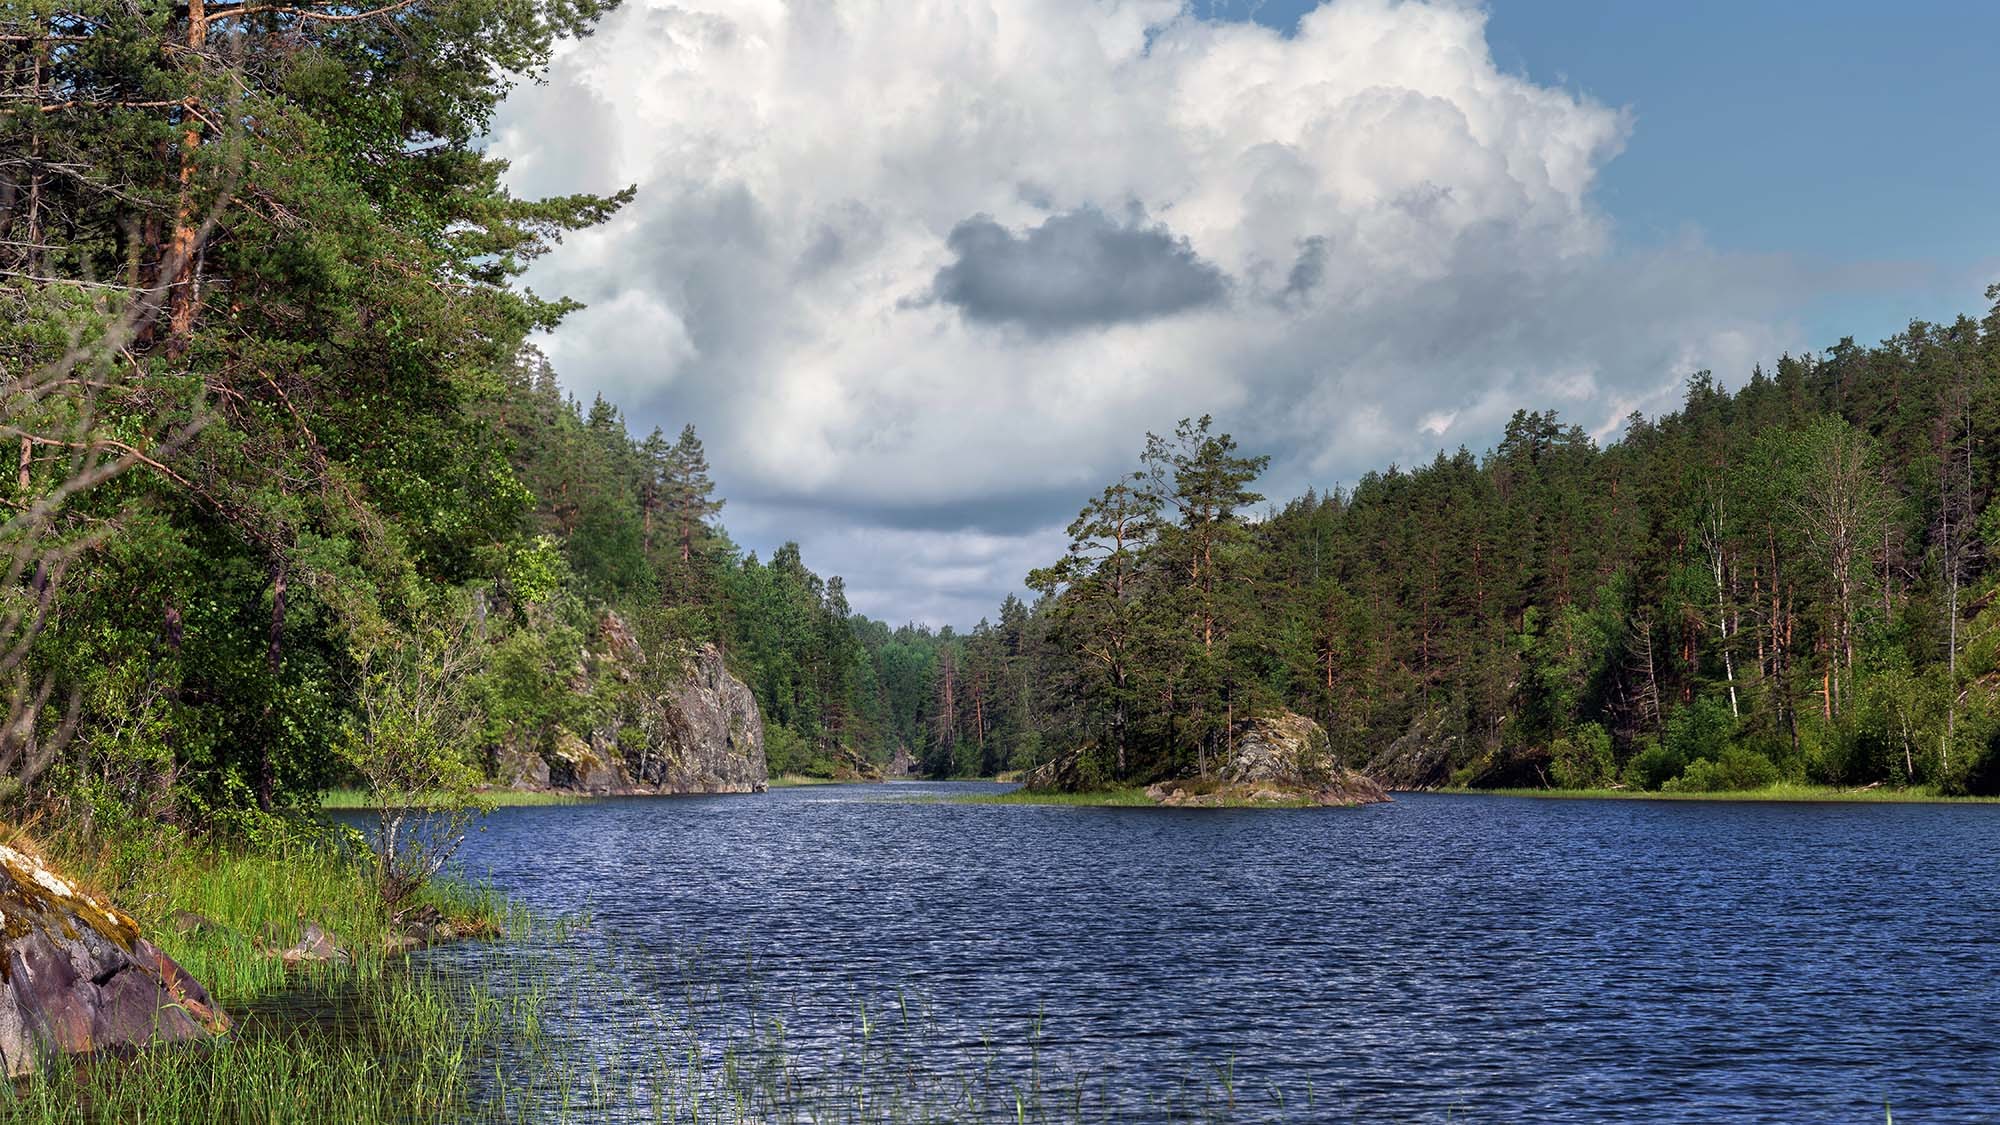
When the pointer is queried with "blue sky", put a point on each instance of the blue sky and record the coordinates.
(1855, 136)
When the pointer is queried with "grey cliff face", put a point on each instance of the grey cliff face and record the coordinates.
(711, 736)
(686, 728)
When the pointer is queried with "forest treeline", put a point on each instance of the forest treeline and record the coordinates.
(289, 499)
(1784, 581)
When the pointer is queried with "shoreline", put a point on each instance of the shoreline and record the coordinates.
(298, 950)
(1782, 793)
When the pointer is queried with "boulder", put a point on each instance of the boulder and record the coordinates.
(315, 947)
(515, 768)
(189, 922)
(576, 764)
(1289, 755)
(76, 976)
(903, 765)
(1281, 759)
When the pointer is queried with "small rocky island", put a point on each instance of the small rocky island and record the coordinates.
(1278, 759)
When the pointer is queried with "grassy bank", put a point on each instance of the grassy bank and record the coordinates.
(795, 780)
(374, 1039)
(1783, 791)
(488, 798)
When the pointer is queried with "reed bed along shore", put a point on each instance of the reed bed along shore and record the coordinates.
(372, 1038)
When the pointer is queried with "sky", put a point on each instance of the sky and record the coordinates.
(924, 273)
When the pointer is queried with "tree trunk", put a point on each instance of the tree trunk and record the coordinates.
(182, 252)
(274, 655)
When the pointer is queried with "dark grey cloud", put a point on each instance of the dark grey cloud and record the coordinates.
(1077, 269)
(1307, 271)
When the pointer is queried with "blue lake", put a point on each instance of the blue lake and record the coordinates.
(1443, 957)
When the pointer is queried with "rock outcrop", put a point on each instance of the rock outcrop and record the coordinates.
(695, 729)
(1078, 770)
(903, 765)
(1420, 759)
(850, 764)
(707, 735)
(76, 976)
(1279, 759)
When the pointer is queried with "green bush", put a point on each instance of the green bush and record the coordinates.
(1701, 729)
(1653, 766)
(1734, 771)
(1583, 760)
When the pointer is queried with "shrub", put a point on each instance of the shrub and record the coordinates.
(1733, 771)
(1583, 760)
(410, 742)
(1701, 729)
(1653, 766)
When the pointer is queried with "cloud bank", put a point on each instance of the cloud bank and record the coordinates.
(923, 273)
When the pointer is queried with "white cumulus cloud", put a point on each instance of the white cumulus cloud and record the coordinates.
(924, 272)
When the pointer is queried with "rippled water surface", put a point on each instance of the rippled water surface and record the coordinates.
(1442, 957)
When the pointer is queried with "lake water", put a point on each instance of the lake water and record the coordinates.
(1440, 958)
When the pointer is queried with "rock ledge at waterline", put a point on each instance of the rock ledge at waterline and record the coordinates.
(79, 978)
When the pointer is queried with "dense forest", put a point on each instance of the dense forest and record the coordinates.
(290, 496)
(1786, 581)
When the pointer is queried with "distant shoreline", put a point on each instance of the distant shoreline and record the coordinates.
(1773, 794)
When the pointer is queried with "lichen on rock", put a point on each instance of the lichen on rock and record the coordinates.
(669, 725)
(77, 976)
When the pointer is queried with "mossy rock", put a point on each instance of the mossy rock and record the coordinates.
(76, 975)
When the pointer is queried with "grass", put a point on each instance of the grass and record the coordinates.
(394, 1050)
(376, 1039)
(1782, 791)
(489, 798)
(795, 780)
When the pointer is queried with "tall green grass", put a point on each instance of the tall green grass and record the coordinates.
(334, 1047)
(377, 1038)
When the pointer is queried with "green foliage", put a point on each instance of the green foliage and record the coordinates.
(1583, 760)
(1653, 766)
(411, 742)
(1702, 729)
(1734, 770)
